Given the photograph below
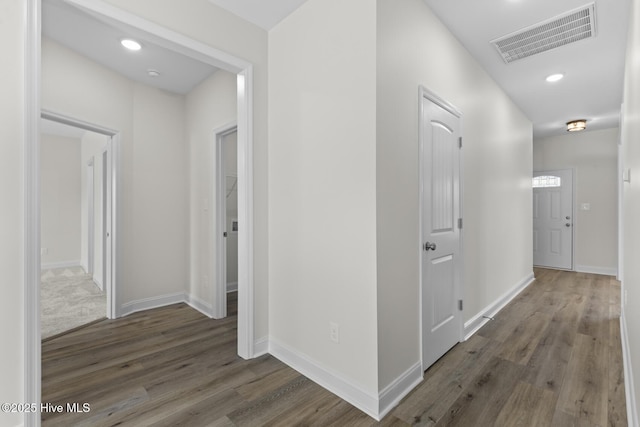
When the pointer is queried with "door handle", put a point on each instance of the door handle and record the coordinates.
(567, 225)
(429, 246)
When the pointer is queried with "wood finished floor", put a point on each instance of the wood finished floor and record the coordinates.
(552, 357)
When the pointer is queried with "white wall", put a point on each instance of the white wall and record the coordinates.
(210, 105)
(12, 43)
(593, 155)
(205, 22)
(631, 210)
(160, 194)
(60, 200)
(322, 218)
(414, 48)
(154, 212)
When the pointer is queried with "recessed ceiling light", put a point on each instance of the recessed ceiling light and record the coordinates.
(554, 77)
(153, 73)
(131, 44)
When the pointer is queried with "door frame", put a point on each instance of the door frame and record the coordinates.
(106, 207)
(32, 93)
(425, 93)
(111, 185)
(218, 241)
(574, 210)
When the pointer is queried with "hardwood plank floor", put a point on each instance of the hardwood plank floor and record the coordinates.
(552, 357)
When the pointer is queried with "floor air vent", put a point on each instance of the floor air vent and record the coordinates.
(561, 30)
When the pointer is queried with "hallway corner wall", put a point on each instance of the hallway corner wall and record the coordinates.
(630, 134)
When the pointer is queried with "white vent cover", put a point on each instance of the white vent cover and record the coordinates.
(560, 30)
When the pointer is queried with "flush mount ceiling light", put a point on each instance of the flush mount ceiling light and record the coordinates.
(554, 77)
(576, 125)
(153, 73)
(131, 44)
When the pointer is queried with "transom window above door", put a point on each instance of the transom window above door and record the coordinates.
(546, 181)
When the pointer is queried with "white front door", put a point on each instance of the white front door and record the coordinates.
(553, 219)
(441, 233)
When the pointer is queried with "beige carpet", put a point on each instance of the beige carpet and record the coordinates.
(68, 299)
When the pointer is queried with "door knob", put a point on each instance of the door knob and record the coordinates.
(429, 246)
(567, 225)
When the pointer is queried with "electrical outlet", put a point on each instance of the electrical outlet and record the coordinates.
(334, 332)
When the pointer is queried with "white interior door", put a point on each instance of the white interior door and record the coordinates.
(441, 233)
(90, 217)
(553, 219)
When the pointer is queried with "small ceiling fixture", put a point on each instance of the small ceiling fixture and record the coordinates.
(153, 73)
(554, 77)
(576, 125)
(131, 44)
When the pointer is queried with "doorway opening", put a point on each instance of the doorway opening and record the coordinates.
(227, 223)
(97, 223)
(181, 44)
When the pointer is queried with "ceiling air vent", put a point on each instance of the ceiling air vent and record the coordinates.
(560, 30)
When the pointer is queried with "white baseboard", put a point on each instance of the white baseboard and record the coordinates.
(98, 282)
(632, 410)
(164, 300)
(261, 347)
(392, 394)
(200, 305)
(332, 381)
(60, 264)
(153, 302)
(232, 287)
(607, 271)
(478, 321)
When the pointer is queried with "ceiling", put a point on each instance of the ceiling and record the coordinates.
(100, 42)
(265, 14)
(593, 68)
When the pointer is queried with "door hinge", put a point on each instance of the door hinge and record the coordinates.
(460, 142)
(460, 304)
(460, 223)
